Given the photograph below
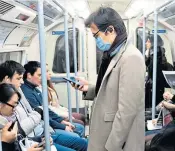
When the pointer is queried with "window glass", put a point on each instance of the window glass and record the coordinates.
(16, 56)
(59, 62)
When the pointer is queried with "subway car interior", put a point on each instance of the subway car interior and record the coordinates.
(53, 33)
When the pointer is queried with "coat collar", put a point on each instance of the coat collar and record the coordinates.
(115, 60)
(29, 84)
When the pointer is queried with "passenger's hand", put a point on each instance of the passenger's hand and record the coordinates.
(167, 96)
(161, 105)
(84, 84)
(69, 129)
(68, 124)
(166, 104)
(9, 136)
(55, 104)
(51, 141)
(35, 148)
(154, 121)
(43, 140)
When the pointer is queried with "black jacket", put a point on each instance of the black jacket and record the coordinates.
(10, 146)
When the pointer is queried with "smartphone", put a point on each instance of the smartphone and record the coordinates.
(41, 144)
(12, 125)
(73, 80)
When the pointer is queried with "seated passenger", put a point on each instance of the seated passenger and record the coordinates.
(8, 139)
(12, 72)
(56, 107)
(10, 98)
(168, 96)
(32, 79)
(168, 121)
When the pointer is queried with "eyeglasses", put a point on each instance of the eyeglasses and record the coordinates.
(13, 106)
(95, 35)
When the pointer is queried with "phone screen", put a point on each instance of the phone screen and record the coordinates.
(11, 127)
(73, 80)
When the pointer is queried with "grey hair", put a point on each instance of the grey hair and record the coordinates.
(105, 17)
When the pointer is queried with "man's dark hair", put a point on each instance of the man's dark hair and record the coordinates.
(31, 67)
(9, 68)
(105, 17)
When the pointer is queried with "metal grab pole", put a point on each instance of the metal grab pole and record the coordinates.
(154, 65)
(83, 66)
(1, 141)
(75, 61)
(67, 64)
(144, 37)
(43, 70)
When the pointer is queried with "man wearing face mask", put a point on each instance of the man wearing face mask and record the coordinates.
(117, 122)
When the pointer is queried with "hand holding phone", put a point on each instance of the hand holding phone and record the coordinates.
(12, 125)
(9, 136)
(42, 144)
(73, 80)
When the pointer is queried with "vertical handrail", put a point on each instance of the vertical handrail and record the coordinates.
(75, 61)
(83, 58)
(43, 71)
(1, 141)
(144, 37)
(154, 64)
(67, 64)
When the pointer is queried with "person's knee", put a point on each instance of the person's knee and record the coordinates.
(79, 127)
(63, 148)
(84, 145)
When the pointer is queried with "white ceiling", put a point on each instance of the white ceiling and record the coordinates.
(119, 5)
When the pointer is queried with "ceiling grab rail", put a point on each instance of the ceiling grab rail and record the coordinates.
(165, 4)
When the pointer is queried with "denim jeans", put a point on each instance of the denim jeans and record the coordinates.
(79, 129)
(65, 141)
(62, 148)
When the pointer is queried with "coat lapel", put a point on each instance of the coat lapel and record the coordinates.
(115, 60)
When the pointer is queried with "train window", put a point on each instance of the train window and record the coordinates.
(59, 62)
(16, 56)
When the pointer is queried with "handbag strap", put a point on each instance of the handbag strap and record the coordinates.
(159, 114)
